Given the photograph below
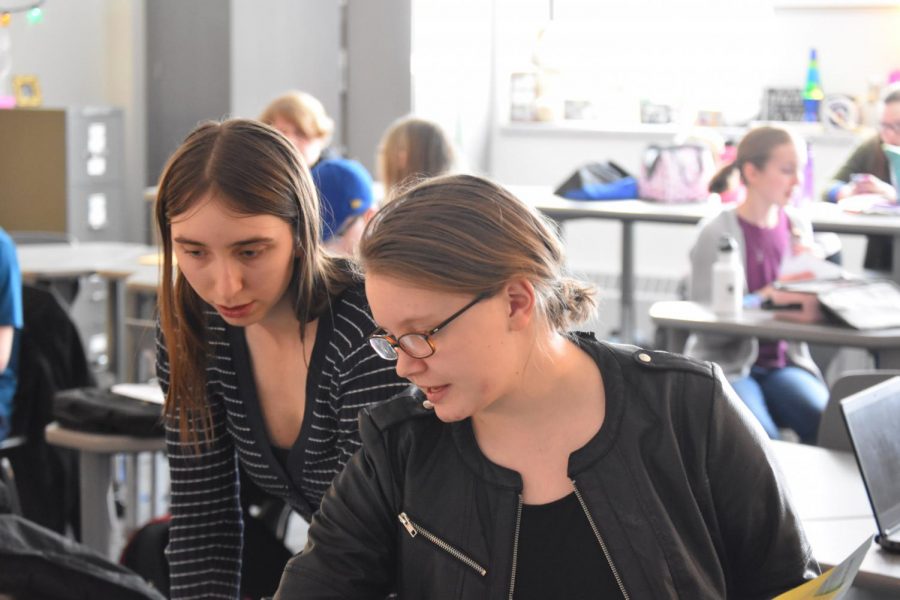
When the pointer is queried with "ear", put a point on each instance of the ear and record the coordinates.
(750, 172)
(520, 297)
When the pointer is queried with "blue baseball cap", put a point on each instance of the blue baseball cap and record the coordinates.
(345, 191)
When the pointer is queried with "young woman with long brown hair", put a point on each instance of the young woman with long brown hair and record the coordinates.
(262, 351)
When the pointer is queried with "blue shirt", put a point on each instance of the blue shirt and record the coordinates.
(10, 314)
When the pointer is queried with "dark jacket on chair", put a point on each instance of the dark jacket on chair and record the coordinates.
(51, 358)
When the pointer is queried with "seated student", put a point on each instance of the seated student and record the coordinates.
(346, 201)
(10, 324)
(262, 348)
(868, 171)
(412, 149)
(529, 462)
(777, 380)
(303, 120)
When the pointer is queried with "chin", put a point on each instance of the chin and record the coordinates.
(448, 415)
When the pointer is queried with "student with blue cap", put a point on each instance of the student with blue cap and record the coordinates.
(347, 203)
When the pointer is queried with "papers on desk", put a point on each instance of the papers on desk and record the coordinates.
(817, 267)
(869, 204)
(833, 583)
(147, 392)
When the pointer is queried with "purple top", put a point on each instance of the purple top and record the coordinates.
(765, 250)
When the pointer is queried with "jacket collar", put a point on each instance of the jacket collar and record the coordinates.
(614, 385)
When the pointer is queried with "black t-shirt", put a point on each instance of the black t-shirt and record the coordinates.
(559, 555)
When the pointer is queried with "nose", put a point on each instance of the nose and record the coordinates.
(229, 281)
(408, 366)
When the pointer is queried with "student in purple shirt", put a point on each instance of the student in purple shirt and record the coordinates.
(777, 380)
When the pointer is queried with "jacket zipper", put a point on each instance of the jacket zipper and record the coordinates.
(413, 529)
(515, 556)
(603, 547)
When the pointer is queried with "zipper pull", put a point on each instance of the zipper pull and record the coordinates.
(410, 528)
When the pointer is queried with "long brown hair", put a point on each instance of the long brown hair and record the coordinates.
(755, 148)
(255, 170)
(465, 234)
(427, 152)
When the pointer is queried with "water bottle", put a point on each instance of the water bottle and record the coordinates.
(728, 280)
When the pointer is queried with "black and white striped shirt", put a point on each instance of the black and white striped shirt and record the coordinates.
(205, 538)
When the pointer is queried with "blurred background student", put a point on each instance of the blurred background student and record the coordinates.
(868, 171)
(413, 149)
(346, 202)
(10, 322)
(777, 380)
(303, 120)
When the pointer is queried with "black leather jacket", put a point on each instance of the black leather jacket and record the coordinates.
(678, 483)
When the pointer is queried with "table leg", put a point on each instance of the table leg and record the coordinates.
(115, 326)
(97, 507)
(895, 266)
(626, 277)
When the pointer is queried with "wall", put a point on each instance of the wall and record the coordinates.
(453, 81)
(278, 46)
(188, 72)
(379, 86)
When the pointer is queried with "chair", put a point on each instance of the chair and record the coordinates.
(832, 430)
(51, 358)
(8, 448)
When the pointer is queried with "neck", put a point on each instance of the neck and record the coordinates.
(547, 389)
(759, 212)
(280, 320)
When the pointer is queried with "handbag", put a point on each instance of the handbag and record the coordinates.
(676, 174)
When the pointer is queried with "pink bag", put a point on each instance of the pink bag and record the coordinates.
(675, 174)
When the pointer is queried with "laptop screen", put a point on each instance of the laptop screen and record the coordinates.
(873, 422)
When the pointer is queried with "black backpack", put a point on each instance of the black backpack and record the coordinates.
(102, 411)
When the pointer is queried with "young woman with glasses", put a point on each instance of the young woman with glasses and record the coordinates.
(263, 352)
(529, 462)
(868, 171)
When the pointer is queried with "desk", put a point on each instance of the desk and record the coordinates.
(95, 452)
(828, 494)
(693, 317)
(824, 217)
(113, 261)
(688, 316)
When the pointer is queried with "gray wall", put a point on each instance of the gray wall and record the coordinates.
(279, 45)
(188, 72)
(379, 86)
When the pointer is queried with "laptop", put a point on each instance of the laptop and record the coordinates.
(873, 422)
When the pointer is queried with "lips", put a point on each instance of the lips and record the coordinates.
(234, 312)
(434, 393)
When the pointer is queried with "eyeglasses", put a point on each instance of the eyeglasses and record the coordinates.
(416, 345)
(892, 127)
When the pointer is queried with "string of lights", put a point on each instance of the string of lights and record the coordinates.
(34, 14)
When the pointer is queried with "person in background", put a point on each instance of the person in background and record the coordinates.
(11, 322)
(530, 462)
(777, 380)
(345, 193)
(868, 171)
(303, 120)
(262, 349)
(412, 149)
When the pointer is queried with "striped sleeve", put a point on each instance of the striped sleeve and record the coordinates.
(364, 377)
(353, 377)
(205, 536)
